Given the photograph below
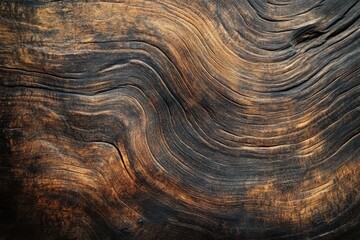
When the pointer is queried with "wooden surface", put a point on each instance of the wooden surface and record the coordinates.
(179, 119)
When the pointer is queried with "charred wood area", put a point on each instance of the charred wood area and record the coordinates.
(180, 119)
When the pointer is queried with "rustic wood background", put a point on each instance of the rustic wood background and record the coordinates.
(179, 119)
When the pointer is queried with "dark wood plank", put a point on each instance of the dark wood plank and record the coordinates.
(179, 119)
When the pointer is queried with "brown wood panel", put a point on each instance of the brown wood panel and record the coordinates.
(179, 119)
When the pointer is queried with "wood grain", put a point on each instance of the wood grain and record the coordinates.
(179, 119)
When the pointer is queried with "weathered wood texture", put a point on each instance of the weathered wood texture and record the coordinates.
(179, 119)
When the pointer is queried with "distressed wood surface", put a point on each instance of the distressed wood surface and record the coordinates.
(179, 119)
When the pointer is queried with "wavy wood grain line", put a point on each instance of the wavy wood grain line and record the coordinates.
(179, 119)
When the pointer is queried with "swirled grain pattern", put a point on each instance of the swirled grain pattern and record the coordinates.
(179, 119)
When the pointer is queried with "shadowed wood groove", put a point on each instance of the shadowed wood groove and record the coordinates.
(179, 119)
